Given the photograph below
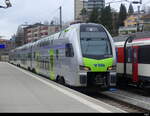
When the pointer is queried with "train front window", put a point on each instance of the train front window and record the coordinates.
(95, 42)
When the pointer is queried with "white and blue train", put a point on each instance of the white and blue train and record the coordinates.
(81, 55)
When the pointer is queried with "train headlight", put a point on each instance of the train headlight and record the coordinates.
(111, 68)
(85, 68)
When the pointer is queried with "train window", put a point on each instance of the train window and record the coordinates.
(135, 55)
(44, 43)
(62, 34)
(89, 28)
(144, 55)
(34, 55)
(40, 44)
(48, 65)
(51, 42)
(94, 42)
(129, 55)
(29, 55)
(69, 50)
(47, 43)
(43, 64)
(57, 54)
(39, 64)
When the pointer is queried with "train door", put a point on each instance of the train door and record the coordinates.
(52, 64)
(135, 64)
(30, 65)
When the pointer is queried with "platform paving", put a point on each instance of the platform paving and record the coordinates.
(23, 91)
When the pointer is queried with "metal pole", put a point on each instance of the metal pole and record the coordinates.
(94, 4)
(8, 4)
(129, 39)
(83, 4)
(138, 25)
(125, 44)
(60, 18)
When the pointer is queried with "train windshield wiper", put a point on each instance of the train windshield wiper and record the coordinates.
(88, 39)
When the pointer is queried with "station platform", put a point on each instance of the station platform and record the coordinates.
(23, 91)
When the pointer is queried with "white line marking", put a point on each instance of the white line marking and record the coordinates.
(78, 98)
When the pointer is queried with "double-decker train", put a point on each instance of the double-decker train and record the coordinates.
(81, 55)
(137, 70)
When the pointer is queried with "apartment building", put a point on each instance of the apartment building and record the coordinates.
(95, 4)
(4, 49)
(78, 6)
(88, 5)
(38, 31)
(146, 22)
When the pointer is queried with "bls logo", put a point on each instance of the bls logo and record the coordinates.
(99, 65)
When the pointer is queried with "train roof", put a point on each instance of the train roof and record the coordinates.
(53, 36)
(138, 42)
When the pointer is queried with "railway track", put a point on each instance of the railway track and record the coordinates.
(125, 103)
(130, 102)
(130, 108)
(133, 89)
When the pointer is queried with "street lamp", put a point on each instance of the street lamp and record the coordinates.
(137, 2)
(138, 19)
(116, 1)
(8, 4)
(60, 8)
(2, 7)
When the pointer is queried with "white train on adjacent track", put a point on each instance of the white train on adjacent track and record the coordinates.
(137, 63)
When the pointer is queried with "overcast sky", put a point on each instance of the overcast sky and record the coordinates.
(32, 11)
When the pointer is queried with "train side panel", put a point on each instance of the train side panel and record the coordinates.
(137, 66)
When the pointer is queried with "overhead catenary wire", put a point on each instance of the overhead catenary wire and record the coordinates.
(114, 1)
(146, 3)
